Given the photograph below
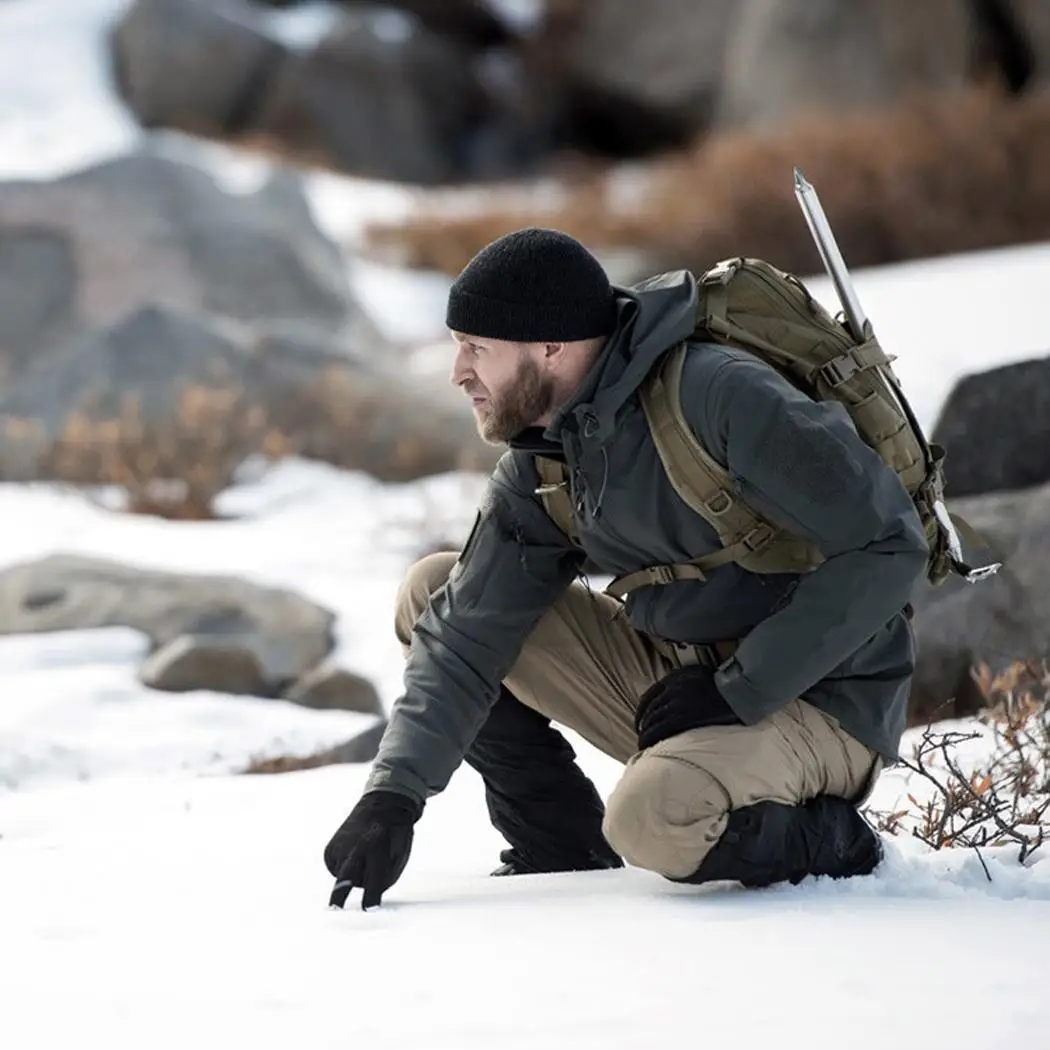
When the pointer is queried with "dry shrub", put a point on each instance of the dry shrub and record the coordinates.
(1004, 798)
(173, 468)
(942, 174)
(358, 749)
(289, 763)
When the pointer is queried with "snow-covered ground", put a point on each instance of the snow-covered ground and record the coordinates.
(150, 898)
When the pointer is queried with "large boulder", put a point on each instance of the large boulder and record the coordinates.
(382, 99)
(786, 58)
(190, 64)
(996, 428)
(646, 70)
(998, 621)
(80, 252)
(390, 92)
(279, 633)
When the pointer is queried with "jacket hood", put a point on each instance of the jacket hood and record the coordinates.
(652, 317)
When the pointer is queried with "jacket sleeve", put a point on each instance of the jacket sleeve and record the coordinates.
(802, 464)
(514, 566)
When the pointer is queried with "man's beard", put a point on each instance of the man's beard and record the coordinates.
(526, 399)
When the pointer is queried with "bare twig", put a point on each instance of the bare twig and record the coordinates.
(1005, 799)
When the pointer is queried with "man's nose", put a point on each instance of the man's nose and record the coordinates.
(460, 368)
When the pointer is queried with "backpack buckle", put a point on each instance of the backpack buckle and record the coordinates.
(719, 503)
(758, 537)
(836, 371)
(663, 574)
(722, 271)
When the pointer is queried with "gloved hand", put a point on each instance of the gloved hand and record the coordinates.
(372, 845)
(687, 698)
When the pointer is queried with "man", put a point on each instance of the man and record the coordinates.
(745, 758)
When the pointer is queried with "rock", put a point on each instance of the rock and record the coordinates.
(329, 687)
(288, 634)
(1031, 21)
(146, 358)
(998, 621)
(85, 250)
(995, 426)
(362, 748)
(193, 661)
(785, 58)
(190, 64)
(630, 64)
(364, 101)
(38, 292)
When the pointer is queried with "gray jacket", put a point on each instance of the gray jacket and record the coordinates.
(837, 636)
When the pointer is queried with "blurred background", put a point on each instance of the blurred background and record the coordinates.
(227, 228)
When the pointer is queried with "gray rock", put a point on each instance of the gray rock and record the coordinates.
(190, 64)
(997, 621)
(661, 57)
(147, 358)
(193, 661)
(287, 633)
(38, 292)
(995, 426)
(333, 688)
(85, 250)
(380, 96)
(787, 58)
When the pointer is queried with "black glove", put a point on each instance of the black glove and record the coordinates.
(371, 847)
(687, 698)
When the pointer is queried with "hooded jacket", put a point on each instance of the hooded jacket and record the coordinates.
(836, 636)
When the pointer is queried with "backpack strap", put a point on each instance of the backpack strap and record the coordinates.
(555, 495)
(699, 480)
(706, 487)
(702, 482)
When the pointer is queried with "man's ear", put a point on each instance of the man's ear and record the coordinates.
(552, 351)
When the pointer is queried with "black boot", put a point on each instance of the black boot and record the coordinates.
(771, 842)
(538, 797)
(514, 864)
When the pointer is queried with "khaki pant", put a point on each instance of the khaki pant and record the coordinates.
(584, 666)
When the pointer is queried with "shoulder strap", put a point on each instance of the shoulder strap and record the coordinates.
(701, 481)
(704, 485)
(555, 495)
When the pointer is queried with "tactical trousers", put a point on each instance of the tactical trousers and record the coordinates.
(584, 666)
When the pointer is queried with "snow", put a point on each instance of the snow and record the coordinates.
(151, 897)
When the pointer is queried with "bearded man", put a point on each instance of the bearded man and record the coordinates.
(752, 712)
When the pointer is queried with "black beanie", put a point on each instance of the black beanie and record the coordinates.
(532, 286)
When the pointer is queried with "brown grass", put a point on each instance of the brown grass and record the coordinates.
(939, 175)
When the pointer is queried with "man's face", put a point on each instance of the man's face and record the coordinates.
(507, 386)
